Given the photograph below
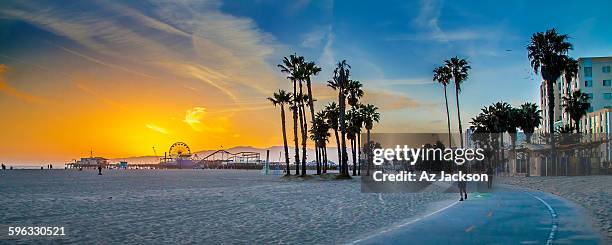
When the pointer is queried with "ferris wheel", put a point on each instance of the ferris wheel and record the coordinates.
(179, 149)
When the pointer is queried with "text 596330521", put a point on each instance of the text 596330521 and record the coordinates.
(36, 231)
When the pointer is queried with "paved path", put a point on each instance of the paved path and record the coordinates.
(505, 216)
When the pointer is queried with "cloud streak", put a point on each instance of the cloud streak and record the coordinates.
(9, 90)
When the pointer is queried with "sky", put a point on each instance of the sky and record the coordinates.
(121, 77)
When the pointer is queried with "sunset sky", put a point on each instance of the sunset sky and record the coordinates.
(123, 77)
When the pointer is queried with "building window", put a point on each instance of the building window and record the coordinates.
(607, 83)
(605, 69)
(588, 83)
(588, 71)
(607, 96)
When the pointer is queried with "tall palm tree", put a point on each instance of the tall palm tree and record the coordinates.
(370, 116)
(459, 68)
(332, 114)
(354, 92)
(353, 120)
(443, 75)
(548, 55)
(291, 66)
(320, 134)
(311, 69)
(339, 81)
(530, 118)
(283, 98)
(576, 105)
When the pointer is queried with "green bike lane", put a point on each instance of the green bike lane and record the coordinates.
(507, 215)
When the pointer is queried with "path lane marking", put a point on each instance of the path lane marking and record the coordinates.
(404, 224)
(554, 222)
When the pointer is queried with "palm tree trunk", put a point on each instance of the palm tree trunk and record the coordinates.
(285, 138)
(324, 158)
(459, 117)
(368, 153)
(551, 116)
(295, 129)
(450, 142)
(342, 122)
(304, 130)
(339, 150)
(359, 153)
(354, 148)
(312, 119)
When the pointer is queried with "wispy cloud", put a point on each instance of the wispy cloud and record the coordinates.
(156, 128)
(9, 90)
(193, 118)
(234, 47)
(315, 37)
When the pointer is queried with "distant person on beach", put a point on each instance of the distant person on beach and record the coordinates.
(99, 169)
(3, 167)
(490, 175)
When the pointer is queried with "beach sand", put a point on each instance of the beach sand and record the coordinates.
(594, 193)
(201, 206)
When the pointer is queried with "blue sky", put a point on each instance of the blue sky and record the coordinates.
(183, 69)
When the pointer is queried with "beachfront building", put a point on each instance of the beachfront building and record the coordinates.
(89, 162)
(591, 152)
(594, 78)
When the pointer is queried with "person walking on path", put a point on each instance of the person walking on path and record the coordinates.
(490, 175)
(462, 190)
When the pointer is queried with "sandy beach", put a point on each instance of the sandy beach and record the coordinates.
(215, 206)
(594, 193)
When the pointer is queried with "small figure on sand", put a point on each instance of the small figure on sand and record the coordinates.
(3, 167)
(99, 170)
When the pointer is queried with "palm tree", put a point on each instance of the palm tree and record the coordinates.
(291, 66)
(500, 112)
(311, 69)
(512, 123)
(354, 92)
(370, 116)
(576, 105)
(443, 75)
(332, 114)
(282, 98)
(530, 118)
(459, 68)
(350, 135)
(320, 134)
(339, 81)
(547, 53)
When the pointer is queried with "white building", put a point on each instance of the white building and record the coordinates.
(595, 79)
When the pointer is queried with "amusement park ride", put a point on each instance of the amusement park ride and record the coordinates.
(179, 156)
